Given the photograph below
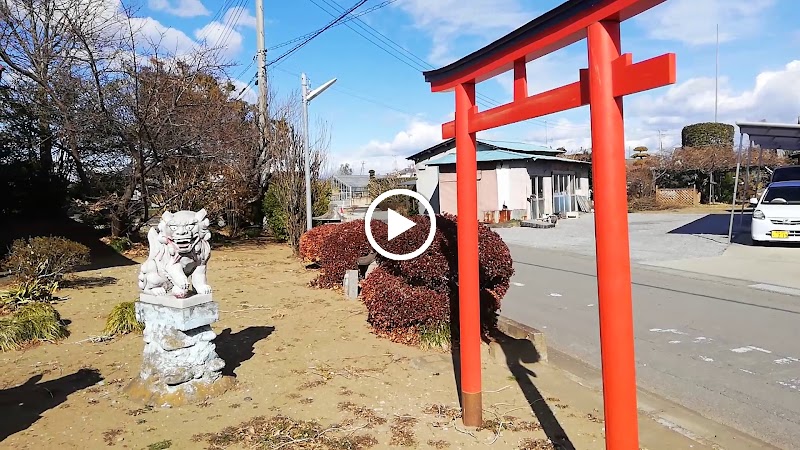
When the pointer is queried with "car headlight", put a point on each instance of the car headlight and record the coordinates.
(758, 214)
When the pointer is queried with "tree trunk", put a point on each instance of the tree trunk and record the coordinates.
(45, 137)
(76, 158)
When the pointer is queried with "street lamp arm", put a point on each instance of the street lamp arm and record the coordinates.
(310, 96)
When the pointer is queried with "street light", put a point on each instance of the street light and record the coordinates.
(307, 97)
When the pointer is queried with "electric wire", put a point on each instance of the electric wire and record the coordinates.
(415, 62)
(317, 33)
(345, 20)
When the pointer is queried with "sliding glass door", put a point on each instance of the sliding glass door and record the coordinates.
(564, 193)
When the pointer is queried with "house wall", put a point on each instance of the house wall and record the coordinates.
(517, 187)
(487, 188)
(428, 181)
(546, 169)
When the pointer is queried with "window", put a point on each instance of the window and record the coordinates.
(778, 195)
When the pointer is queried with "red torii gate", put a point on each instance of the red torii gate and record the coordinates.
(610, 76)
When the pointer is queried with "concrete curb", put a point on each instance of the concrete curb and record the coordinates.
(517, 330)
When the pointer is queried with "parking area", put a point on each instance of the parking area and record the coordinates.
(695, 243)
(654, 237)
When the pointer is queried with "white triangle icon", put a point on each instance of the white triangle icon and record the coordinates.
(398, 224)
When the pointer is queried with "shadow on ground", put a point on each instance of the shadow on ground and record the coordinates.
(518, 353)
(23, 405)
(716, 224)
(80, 282)
(236, 348)
(102, 256)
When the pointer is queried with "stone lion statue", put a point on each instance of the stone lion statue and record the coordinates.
(179, 252)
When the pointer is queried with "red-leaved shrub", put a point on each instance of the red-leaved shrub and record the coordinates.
(341, 248)
(394, 305)
(311, 241)
(406, 297)
(433, 277)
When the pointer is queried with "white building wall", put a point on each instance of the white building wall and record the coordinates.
(427, 185)
(503, 185)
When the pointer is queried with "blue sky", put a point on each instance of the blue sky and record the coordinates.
(381, 110)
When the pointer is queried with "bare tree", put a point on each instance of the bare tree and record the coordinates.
(288, 165)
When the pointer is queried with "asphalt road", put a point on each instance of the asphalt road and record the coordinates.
(716, 346)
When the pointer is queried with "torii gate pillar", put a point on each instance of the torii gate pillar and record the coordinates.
(611, 75)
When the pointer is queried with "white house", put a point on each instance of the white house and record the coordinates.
(531, 181)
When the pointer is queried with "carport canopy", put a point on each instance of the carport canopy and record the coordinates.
(766, 135)
(773, 136)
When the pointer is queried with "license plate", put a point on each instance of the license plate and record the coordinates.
(780, 234)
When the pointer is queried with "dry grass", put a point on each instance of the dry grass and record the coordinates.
(403, 431)
(536, 444)
(281, 432)
(122, 320)
(30, 324)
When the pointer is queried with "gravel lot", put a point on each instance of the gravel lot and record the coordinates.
(650, 237)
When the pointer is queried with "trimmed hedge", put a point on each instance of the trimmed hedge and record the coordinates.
(395, 307)
(341, 248)
(311, 241)
(432, 279)
(405, 298)
(707, 134)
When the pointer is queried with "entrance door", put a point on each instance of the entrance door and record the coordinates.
(537, 198)
(563, 192)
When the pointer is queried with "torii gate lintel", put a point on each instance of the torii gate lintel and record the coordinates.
(627, 78)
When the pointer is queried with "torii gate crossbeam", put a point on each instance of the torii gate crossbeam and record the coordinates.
(610, 76)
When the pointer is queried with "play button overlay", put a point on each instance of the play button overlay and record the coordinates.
(398, 224)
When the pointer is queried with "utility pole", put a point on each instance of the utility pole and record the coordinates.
(262, 72)
(307, 152)
(307, 97)
(716, 80)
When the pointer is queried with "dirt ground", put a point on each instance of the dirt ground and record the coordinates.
(296, 352)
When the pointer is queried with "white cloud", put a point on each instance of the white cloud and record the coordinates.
(652, 119)
(693, 22)
(239, 16)
(447, 20)
(149, 31)
(384, 156)
(224, 34)
(774, 96)
(180, 8)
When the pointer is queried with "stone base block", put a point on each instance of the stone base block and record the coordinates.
(181, 318)
(520, 331)
(175, 302)
(155, 393)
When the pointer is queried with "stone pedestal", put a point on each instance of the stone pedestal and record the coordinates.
(180, 364)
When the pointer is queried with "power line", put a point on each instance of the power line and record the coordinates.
(229, 26)
(347, 92)
(317, 33)
(345, 20)
(407, 57)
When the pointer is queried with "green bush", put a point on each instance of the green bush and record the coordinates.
(120, 244)
(707, 134)
(122, 320)
(275, 214)
(30, 324)
(27, 291)
(45, 258)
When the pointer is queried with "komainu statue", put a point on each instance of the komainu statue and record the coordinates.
(179, 252)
